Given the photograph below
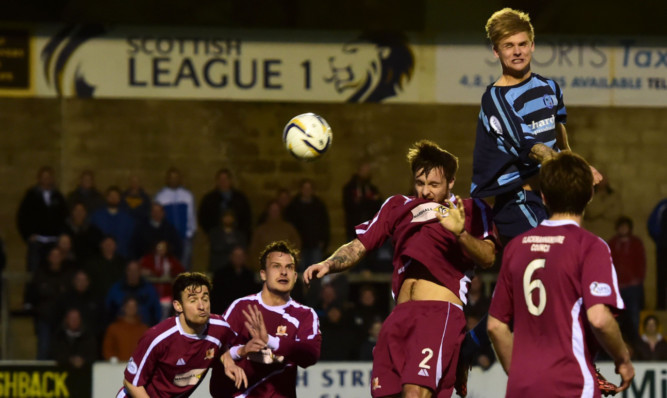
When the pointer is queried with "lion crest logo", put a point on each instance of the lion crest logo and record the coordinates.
(373, 67)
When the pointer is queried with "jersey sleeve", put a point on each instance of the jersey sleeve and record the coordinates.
(141, 366)
(373, 233)
(561, 112)
(598, 277)
(502, 307)
(481, 224)
(236, 320)
(304, 349)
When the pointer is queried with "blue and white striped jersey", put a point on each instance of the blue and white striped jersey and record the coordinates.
(511, 121)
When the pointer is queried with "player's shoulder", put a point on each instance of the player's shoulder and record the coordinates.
(162, 331)
(399, 199)
(301, 310)
(241, 303)
(216, 320)
(539, 79)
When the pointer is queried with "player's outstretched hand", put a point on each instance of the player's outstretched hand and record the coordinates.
(236, 373)
(627, 372)
(315, 271)
(454, 217)
(597, 177)
(255, 324)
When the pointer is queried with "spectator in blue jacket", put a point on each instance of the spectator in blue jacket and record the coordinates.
(133, 284)
(115, 221)
(179, 208)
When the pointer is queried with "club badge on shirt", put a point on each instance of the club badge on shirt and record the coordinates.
(210, 353)
(281, 331)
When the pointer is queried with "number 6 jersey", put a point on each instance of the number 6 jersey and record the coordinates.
(550, 276)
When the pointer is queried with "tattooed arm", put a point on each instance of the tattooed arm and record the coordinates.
(343, 258)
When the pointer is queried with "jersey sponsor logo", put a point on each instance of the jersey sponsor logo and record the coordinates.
(600, 289)
(426, 211)
(548, 101)
(180, 362)
(376, 383)
(210, 353)
(423, 372)
(281, 331)
(495, 125)
(132, 366)
(189, 378)
(543, 125)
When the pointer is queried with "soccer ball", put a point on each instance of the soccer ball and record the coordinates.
(307, 136)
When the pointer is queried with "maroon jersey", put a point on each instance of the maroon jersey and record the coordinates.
(417, 234)
(551, 275)
(169, 362)
(294, 338)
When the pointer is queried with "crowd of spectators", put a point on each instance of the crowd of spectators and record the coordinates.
(102, 264)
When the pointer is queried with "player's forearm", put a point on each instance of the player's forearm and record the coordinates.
(346, 256)
(607, 333)
(503, 341)
(482, 252)
(135, 391)
(303, 353)
(561, 137)
(540, 152)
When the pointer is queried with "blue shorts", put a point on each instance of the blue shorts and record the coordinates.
(518, 211)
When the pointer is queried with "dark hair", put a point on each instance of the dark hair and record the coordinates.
(624, 220)
(281, 246)
(185, 280)
(45, 169)
(223, 171)
(566, 182)
(427, 155)
(648, 318)
(113, 188)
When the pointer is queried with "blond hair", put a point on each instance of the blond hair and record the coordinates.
(508, 22)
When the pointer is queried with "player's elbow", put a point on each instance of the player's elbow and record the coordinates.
(496, 329)
(599, 317)
(487, 262)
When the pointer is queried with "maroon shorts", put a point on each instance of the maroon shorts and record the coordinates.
(418, 344)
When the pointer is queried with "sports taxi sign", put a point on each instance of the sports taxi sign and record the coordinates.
(89, 61)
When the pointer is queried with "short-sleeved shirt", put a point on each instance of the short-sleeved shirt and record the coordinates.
(551, 275)
(512, 119)
(169, 362)
(417, 234)
(293, 327)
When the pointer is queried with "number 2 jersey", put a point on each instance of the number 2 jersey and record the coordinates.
(550, 276)
(417, 235)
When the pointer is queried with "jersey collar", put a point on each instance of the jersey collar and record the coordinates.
(190, 335)
(558, 223)
(273, 307)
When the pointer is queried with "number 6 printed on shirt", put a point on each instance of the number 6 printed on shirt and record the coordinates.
(530, 285)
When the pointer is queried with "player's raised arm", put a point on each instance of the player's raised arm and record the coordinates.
(342, 259)
(482, 252)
